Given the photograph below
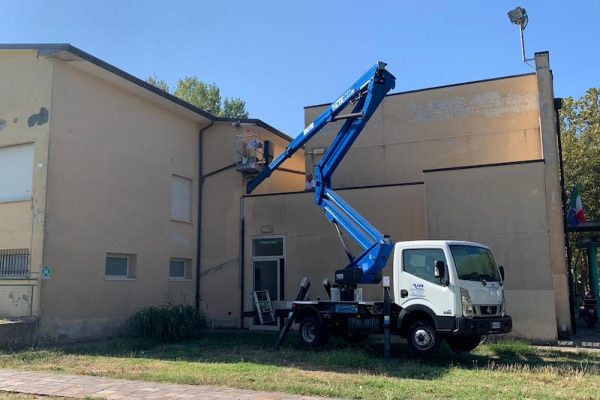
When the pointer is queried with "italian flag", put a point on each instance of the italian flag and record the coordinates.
(575, 215)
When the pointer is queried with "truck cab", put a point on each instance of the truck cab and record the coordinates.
(450, 290)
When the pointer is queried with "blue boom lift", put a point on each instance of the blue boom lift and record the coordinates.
(437, 299)
(364, 96)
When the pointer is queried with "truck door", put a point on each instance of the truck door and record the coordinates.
(417, 283)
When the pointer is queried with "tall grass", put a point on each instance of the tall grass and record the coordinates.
(168, 323)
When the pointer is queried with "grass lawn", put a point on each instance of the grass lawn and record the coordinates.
(246, 360)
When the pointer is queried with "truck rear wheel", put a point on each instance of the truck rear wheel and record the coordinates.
(423, 339)
(464, 345)
(312, 332)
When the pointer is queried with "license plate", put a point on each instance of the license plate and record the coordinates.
(496, 325)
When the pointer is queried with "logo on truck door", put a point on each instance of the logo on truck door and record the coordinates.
(417, 290)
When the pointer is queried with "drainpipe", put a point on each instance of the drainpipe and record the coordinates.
(557, 107)
(199, 223)
(242, 256)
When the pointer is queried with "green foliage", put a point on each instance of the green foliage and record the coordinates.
(580, 127)
(580, 130)
(159, 83)
(234, 108)
(193, 90)
(203, 95)
(168, 323)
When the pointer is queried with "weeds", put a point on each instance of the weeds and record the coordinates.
(168, 323)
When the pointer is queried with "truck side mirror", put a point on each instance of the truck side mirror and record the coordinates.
(439, 270)
(501, 268)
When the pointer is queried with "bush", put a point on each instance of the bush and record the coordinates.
(168, 323)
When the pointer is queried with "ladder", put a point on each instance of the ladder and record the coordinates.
(264, 306)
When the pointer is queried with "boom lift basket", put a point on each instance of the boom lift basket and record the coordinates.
(252, 154)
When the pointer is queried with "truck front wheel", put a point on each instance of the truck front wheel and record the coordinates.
(312, 332)
(423, 339)
(464, 345)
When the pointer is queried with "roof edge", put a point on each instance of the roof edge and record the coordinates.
(54, 47)
(441, 87)
(257, 122)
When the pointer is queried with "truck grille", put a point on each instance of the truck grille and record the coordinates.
(486, 310)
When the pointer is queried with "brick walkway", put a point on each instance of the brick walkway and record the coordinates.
(80, 386)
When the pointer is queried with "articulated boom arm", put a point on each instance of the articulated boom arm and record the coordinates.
(365, 96)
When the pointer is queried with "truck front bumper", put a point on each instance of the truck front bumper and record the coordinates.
(482, 326)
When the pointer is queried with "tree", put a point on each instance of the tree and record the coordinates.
(159, 83)
(234, 108)
(205, 96)
(580, 134)
(580, 128)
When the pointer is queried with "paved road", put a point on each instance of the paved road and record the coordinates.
(79, 386)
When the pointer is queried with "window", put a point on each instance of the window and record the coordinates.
(181, 199)
(267, 247)
(180, 269)
(16, 172)
(120, 266)
(420, 262)
(474, 263)
(14, 263)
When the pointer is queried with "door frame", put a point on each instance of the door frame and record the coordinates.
(277, 258)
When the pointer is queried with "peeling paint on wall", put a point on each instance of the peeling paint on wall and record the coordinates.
(38, 119)
(490, 104)
(2, 124)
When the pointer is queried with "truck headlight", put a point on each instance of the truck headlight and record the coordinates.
(502, 309)
(467, 305)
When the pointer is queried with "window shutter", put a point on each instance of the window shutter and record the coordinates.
(16, 172)
(181, 194)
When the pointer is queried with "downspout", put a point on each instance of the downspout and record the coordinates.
(242, 256)
(557, 107)
(199, 219)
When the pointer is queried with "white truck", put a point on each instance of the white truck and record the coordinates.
(442, 290)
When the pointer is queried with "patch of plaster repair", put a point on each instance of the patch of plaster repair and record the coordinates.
(38, 119)
(2, 124)
(17, 300)
(491, 105)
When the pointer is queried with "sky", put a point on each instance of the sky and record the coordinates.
(280, 56)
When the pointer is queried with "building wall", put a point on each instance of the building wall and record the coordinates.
(313, 249)
(112, 156)
(220, 267)
(474, 123)
(26, 86)
(507, 212)
(554, 204)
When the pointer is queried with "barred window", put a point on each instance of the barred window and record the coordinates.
(14, 263)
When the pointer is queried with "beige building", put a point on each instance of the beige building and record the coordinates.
(102, 180)
(115, 195)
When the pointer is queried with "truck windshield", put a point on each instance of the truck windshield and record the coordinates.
(474, 263)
